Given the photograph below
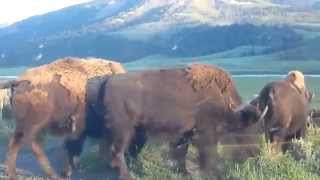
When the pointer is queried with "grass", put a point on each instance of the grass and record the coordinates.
(302, 162)
(267, 63)
(154, 163)
(287, 166)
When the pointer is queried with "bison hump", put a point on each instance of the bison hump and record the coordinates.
(73, 72)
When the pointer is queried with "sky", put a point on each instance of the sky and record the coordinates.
(15, 10)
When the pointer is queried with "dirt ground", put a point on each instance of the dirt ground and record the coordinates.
(27, 165)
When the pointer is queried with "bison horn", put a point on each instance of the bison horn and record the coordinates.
(263, 114)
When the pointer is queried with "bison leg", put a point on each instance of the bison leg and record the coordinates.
(74, 149)
(206, 144)
(276, 145)
(15, 143)
(105, 148)
(43, 160)
(137, 143)
(179, 154)
(121, 143)
(208, 161)
(277, 140)
(301, 133)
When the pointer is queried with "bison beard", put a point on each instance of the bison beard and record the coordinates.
(166, 102)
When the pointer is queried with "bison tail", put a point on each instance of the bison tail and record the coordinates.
(5, 97)
(6, 126)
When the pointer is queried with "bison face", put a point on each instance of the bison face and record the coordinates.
(248, 115)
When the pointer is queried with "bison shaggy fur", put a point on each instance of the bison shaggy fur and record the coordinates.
(287, 113)
(53, 98)
(193, 104)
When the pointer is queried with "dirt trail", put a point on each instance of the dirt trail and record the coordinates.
(27, 165)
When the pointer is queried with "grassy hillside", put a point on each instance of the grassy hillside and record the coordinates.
(195, 41)
(252, 58)
(244, 65)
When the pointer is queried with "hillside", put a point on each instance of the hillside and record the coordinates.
(129, 30)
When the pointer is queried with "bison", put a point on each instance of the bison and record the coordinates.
(287, 102)
(193, 104)
(53, 98)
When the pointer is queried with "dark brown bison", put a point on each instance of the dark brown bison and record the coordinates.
(53, 98)
(193, 104)
(287, 113)
(95, 126)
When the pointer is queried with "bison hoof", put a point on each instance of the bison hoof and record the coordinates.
(66, 173)
(127, 178)
(10, 175)
(184, 172)
(55, 177)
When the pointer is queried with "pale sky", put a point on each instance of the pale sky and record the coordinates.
(15, 10)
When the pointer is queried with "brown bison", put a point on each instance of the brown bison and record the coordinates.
(189, 104)
(53, 98)
(287, 102)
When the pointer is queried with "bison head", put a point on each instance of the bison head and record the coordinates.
(247, 115)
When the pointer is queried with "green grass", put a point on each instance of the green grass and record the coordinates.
(302, 162)
(268, 63)
(154, 163)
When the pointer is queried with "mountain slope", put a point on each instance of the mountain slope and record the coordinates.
(127, 30)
